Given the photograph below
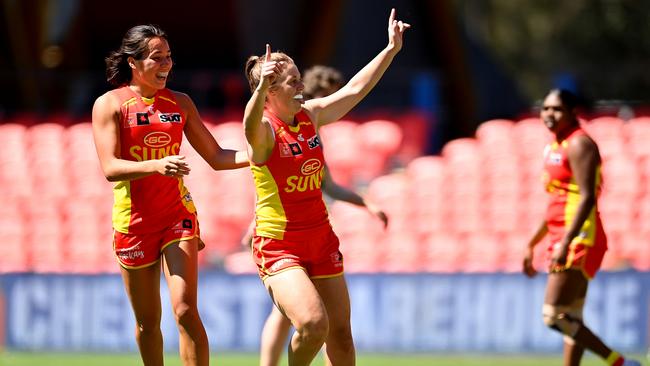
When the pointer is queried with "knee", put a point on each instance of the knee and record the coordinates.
(341, 336)
(564, 319)
(148, 323)
(314, 329)
(145, 327)
(184, 313)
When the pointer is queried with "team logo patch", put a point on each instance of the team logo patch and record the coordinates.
(170, 117)
(157, 139)
(295, 148)
(313, 142)
(310, 166)
(336, 257)
(283, 263)
(285, 150)
(142, 119)
(187, 224)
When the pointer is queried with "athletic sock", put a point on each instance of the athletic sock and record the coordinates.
(615, 359)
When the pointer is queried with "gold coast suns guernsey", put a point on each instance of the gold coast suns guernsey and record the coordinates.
(149, 130)
(565, 196)
(288, 185)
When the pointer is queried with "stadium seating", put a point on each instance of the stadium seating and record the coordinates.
(472, 208)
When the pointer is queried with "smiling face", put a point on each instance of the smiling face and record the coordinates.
(555, 114)
(151, 71)
(285, 95)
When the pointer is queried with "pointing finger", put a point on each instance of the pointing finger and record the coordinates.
(267, 57)
(392, 17)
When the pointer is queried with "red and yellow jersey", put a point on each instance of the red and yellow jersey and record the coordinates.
(150, 128)
(565, 194)
(288, 185)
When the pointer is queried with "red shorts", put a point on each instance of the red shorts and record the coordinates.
(141, 250)
(586, 258)
(318, 254)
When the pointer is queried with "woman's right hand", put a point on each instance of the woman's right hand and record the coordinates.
(173, 166)
(528, 268)
(270, 71)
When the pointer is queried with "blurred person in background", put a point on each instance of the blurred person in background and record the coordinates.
(319, 81)
(138, 129)
(577, 242)
(294, 247)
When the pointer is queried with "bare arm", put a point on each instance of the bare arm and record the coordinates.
(204, 143)
(584, 159)
(259, 133)
(335, 106)
(528, 268)
(341, 193)
(106, 134)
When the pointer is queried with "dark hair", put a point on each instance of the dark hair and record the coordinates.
(134, 44)
(321, 81)
(253, 68)
(568, 98)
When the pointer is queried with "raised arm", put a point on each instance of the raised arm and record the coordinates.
(259, 133)
(204, 143)
(106, 134)
(335, 106)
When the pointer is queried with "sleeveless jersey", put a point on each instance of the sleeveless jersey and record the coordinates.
(288, 185)
(149, 131)
(564, 193)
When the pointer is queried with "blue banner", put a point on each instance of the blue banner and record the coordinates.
(390, 313)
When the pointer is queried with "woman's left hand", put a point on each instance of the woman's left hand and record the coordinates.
(396, 30)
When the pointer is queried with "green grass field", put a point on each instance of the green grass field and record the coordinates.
(231, 359)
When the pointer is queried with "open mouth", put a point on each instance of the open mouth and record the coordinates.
(299, 97)
(162, 76)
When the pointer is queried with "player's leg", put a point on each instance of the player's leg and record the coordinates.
(274, 336)
(340, 346)
(573, 351)
(296, 297)
(180, 264)
(143, 289)
(563, 301)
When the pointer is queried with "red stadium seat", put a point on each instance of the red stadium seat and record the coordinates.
(483, 252)
(442, 252)
(240, 263)
(495, 132)
(530, 138)
(342, 150)
(638, 251)
(47, 159)
(13, 253)
(230, 135)
(15, 176)
(637, 135)
(416, 129)
(380, 141)
(391, 193)
(401, 252)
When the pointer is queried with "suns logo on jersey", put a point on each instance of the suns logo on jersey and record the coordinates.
(157, 139)
(311, 178)
(157, 146)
